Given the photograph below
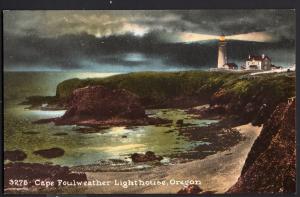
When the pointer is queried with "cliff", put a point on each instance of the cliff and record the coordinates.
(101, 103)
(253, 98)
(155, 89)
(270, 166)
(98, 105)
(187, 89)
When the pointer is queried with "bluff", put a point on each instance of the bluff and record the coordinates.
(98, 105)
(232, 91)
(270, 166)
(102, 103)
(155, 89)
(252, 98)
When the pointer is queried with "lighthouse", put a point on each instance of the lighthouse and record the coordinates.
(222, 54)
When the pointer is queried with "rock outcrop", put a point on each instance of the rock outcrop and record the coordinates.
(270, 166)
(148, 156)
(14, 155)
(248, 108)
(190, 189)
(102, 106)
(252, 99)
(50, 153)
(99, 102)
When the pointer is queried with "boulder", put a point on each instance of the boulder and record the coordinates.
(179, 122)
(15, 155)
(100, 103)
(60, 134)
(190, 189)
(148, 156)
(50, 153)
(31, 132)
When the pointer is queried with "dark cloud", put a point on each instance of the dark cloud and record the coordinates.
(242, 21)
(95, 39)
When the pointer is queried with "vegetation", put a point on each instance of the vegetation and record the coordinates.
(269, 88)
(156, 87)
(160, 88)
(254, 98)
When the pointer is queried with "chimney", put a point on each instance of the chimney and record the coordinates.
(263, 56)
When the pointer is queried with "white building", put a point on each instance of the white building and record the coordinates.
(222, 53)
(222, 56)
(262, 62)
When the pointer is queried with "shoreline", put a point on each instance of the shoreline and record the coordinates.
(227, 98)
(211, 171)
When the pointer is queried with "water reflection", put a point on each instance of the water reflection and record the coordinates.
(80, 148)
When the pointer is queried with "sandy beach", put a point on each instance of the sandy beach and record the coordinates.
(217, 172)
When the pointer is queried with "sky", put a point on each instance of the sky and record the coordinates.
(139, 40)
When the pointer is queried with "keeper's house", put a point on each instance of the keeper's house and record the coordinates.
(262, 62)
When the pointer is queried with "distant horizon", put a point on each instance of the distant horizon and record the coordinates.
(128, 70)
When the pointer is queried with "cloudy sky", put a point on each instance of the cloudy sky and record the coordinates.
(123, 41)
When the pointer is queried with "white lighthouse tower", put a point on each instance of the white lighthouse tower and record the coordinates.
(222, 54)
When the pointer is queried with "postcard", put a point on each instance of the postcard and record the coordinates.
(149, 101)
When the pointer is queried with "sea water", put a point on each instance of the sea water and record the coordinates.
(81, 148)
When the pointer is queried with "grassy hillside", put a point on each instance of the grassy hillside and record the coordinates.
(156, 87)
(187, 88)
(159, 86)
(253, 99)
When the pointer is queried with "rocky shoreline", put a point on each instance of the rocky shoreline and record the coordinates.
(238, 101)
(260, 158)
(272, 156)
(97, 106)
(212, 171)
(216, 137)
(98, 124)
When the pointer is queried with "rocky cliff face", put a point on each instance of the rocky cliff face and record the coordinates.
(100, 103)
(253, 99)
(270, 166)
(255, 108)
(99, 106)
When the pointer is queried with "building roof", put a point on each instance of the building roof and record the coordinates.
(258, 57)
(274, 66)
(231, 65)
